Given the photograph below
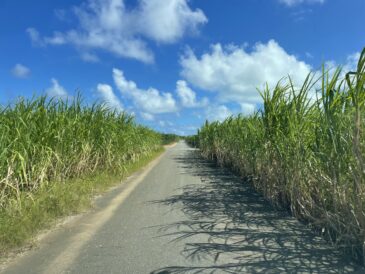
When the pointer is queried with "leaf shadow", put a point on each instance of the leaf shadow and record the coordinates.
(243, 232)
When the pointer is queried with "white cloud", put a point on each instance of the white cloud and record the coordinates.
(20, 71)
(35, 37)
(168, 20)
(300, 14)
(166, 124)
(162, 123)
(109, 98)
(57, 39)
(147, 100)
(247, 109)
(349, 65)
(234, 74)
(217, 113)
(292, 3)
(89, 57)
(187, 96)
(56, 90)
(351, 62)
(110, 26)
(147, 116)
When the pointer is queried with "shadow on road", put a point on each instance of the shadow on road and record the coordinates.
(244, 233)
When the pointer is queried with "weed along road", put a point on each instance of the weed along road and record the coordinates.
(182, 214)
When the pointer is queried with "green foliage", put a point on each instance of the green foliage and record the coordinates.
(47, 145)
(51, 140)
(305, 151)
(192, 140)
(51, 201)
(169, 138)
(54, 200)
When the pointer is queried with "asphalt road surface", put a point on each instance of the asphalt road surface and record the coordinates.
(182, 214)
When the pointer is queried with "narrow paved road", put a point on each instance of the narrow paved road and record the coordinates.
(183, 215)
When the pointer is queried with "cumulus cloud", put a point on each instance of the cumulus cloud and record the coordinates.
(351, 62)
(56, 90)
(147, 116)
(349, 65)
(20, 71)
(167, 21)
(187, 96)
(234, 74)
(109, 25)
(218, 113)
(247, 109)
(292, 3)
(149, 100)
(110, 99)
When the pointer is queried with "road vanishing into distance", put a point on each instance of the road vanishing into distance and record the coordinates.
(182, 214)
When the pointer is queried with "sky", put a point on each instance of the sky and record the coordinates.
(172, 63)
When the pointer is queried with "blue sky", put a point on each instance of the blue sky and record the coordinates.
(172, 63)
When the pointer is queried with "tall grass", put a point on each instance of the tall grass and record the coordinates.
(304, 151)
(55, 155)
(43, 141)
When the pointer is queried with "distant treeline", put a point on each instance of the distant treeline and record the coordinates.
(169, 138)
